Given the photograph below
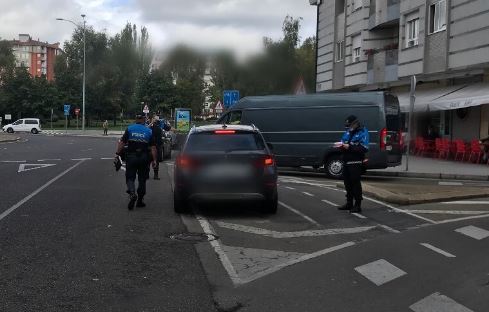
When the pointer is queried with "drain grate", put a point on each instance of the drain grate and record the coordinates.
(193, 237)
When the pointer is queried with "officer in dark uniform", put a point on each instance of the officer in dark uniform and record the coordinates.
(354, 146)
(141, 152)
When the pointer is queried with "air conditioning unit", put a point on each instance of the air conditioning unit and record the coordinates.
(412, 43)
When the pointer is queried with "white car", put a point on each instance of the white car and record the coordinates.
(31, 125)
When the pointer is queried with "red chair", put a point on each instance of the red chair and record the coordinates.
(461, 150)
(475, 152)
(444, 149)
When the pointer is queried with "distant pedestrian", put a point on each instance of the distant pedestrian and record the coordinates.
(354, 146)
(158, 136)
(141, 152)
(105, 125)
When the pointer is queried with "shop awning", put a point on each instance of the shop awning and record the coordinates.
(471, 95)
(424, 98)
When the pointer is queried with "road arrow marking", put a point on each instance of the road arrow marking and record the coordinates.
(29, 167)
(276, 234)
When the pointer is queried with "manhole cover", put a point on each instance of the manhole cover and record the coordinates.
(194, 237)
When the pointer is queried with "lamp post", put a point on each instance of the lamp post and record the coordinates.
(84, 62)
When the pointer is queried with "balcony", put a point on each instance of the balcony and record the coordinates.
(382, 66)
(384, 14)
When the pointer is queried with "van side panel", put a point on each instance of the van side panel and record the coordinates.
(303, 136)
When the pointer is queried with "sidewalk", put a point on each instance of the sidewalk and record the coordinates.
(87, 133)
(423, 167)
(4, 138)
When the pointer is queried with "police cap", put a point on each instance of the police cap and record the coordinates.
(350, 120)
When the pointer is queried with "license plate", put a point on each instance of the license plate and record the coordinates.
(228, 171)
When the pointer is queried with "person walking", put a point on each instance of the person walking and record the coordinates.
(354, 146)
(141, 152)
(105, 125)
(158, 135)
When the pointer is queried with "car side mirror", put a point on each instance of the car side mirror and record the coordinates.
(270, 146)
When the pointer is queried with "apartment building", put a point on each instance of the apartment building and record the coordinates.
(38, 57)
(380, 44)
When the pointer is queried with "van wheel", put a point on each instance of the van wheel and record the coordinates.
(334, 167)
(10, 130)
(34, 131)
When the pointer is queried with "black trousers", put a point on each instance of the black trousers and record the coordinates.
(159, 153)
(352, 174)
(137, 165)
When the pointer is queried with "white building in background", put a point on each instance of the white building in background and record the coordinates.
(379, 44)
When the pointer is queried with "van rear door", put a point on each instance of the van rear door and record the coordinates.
(391, 136)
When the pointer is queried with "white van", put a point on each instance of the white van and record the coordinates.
(31, 125)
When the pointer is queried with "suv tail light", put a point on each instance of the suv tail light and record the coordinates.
(183, 161)
(383, 139)
(225, 132)
(266, 161)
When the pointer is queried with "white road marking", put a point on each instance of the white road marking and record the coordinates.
(399, 210)
(330, 203)
(448, 183)
(43, 160)
(438, 303)
(277, 234)
(380, 272)
(299, 213)
(358, 215)
(463, 219)
(81, 159)
(438, 250)
(388, 228)
(290, 188)
(27, 198)
(107, 158)
(453, 212)
(29, 167)
(308, 194)
(467, 202)
(295, 261)
(295, 181)
(13, 161)
(474, 232)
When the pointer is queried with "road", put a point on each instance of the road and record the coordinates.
(69, 244)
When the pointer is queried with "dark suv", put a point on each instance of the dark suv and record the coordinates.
(225, 163)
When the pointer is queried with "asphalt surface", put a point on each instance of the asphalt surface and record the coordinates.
(70, 244)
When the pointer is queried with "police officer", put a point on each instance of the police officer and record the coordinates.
(141, 152)
(354, 146)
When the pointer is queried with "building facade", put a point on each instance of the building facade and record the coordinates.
(380, 44)
(38, 57)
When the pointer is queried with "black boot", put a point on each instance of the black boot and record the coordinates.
(140, 203)
(357, 208)
(156, 176)
(347, 206)
(132, 200)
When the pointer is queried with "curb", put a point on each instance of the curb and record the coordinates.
(410, 199)
(438, 176)
(10, 140)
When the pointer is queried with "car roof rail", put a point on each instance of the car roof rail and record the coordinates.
(254, 127)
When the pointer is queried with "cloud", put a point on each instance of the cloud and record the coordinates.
(208, 24)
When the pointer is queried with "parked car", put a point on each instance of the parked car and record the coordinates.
(32, 125)
(303, 128)
(220, 162)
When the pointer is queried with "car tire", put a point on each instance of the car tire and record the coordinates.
(270, 205)
(10, 130)
(34, 131)
(333, 166)
(180, 205)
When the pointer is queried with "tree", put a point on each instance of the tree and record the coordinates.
(7, 58)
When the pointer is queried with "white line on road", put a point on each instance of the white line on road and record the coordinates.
(466, 202)
(300, 214)
(27, 198)
(290, 188)
(13, 161)
(399, 210)
(474, 232)
(81, 159)
(308, 194)
(438, 302)
(107, 158)
(388, 228)
(358, 215)
(330, 203)
(452, 212)
(277, 234)
(463, 219)
(442, 183)
(438, 250)
(54, 159)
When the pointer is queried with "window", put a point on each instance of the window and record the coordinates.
(239, 141)
(438, 16)
(356, 48)
(355, 5)
(235, 118)
(412, 31)
(340, 6)
(18, 122)
(339, 50)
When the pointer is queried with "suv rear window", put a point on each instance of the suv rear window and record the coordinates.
(212, 142)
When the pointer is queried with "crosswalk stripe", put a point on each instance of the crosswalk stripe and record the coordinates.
(438, 302)
(438, 250)
(474, 232)
(380, 272)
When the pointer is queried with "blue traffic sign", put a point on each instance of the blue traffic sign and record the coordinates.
(231, 97)
(67, 108)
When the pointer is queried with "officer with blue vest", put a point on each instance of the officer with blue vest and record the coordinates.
(140, 153)
(354, 145)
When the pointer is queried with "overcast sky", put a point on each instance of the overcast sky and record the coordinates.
(236, 24)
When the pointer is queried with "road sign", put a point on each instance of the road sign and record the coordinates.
(146, 109)
(29, 167)
(231, 97)
(219, 108)
(77, 111)
(8, 117)
(67, 108)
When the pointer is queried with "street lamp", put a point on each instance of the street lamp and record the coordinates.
(84, 61)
